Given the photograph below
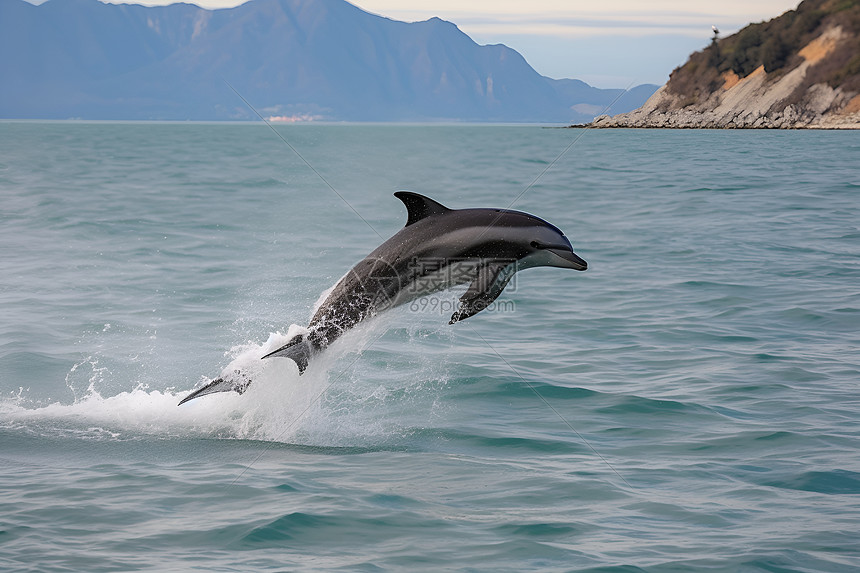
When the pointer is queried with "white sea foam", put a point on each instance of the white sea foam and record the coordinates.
(279, 405)
(270, 409)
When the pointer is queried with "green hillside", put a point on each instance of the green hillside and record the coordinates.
(775, 45)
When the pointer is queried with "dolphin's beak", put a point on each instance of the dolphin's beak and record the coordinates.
(570, 260)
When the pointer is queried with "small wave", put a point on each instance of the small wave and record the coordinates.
(639, 405)
(288, 527)
(481, 441)
(832, 482)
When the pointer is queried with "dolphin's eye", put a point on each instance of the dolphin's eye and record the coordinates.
(535, 245)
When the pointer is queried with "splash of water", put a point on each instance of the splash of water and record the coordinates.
(266, 411)
(334, 403)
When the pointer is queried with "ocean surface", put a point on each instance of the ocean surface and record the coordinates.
(689, 403)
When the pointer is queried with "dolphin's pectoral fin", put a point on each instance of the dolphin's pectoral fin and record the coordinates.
(237, 382)
(487, 286)
(299, 349)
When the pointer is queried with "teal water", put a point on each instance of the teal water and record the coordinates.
(690, 403)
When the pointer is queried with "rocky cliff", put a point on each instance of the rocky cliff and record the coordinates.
(800, 70)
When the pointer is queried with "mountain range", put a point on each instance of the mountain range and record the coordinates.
(290, 59)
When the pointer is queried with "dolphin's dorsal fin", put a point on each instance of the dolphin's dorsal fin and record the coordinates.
(419, 206)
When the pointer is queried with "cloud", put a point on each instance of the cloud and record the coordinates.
(579, 18)
(608, 44)
(564, 18)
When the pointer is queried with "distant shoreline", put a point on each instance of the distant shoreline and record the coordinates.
(850, 127)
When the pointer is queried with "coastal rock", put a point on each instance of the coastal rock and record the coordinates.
(801, 70)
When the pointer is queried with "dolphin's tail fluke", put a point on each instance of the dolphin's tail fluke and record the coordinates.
(237, 382)
(299, 349)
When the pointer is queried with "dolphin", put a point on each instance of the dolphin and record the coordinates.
(439, 248)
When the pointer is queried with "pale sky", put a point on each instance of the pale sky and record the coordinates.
(611, 43)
